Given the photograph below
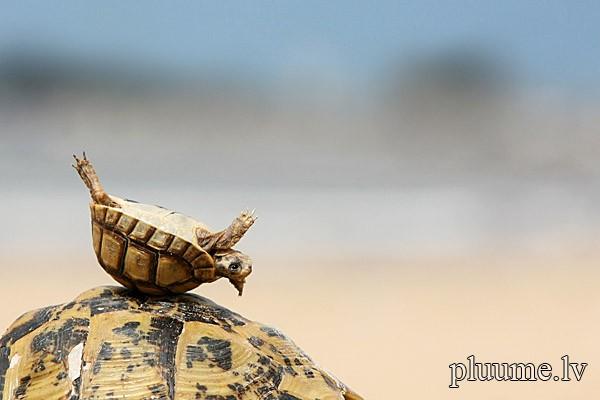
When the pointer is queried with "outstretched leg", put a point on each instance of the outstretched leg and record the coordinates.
(90, 178)
(227, 238)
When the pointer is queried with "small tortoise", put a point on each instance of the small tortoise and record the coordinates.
(158, 251)
(114, 343)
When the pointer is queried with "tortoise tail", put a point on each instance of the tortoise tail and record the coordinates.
(89, 177)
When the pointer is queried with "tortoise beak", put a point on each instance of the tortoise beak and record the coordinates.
(239, 285)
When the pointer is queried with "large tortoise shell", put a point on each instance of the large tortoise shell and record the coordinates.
(149, 248)
(112, 343)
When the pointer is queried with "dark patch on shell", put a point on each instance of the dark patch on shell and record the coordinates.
(21, 390)
(309, 373)
(237, 388)
(272, 332)
(264, 360)
(125, 353)
(130, 330)
(256, 341)
(105, 354)
(103, 304)
(76, 389)
(158, 390)
(201, 310)
(150, 360)
(165, 334)
(201, 390)
(194, 353)
(39, 366)
(276, 376)
(61, 341)
(220, 351)
(38, 319)
(4, 364)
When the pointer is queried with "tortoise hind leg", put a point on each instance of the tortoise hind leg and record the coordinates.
(87, 173)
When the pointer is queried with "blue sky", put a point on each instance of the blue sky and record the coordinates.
(545, 42)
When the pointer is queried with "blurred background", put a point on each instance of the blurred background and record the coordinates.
(426, 172)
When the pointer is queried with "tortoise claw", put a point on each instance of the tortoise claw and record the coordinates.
(248, 217)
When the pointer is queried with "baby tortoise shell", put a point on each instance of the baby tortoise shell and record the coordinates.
(113, 343)
(149, 248)
(159, 251)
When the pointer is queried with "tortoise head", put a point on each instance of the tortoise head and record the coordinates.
(235, 266)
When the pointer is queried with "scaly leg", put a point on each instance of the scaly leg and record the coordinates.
(227, 238)
(87, 173)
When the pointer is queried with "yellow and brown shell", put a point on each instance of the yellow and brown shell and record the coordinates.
(149, 248)
(111, 343)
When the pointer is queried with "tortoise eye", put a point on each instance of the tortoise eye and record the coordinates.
(235, 267)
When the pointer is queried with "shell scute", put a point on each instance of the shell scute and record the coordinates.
(112, 251)
(160, 240)
(124, 358)
(96, 237)
(112, 217)
(171, 270)
(139, 263)
(191, 253)
(98, 213)
(142, 232)
(204, 274)
(126, 224)
(178, 246)
(203, 261)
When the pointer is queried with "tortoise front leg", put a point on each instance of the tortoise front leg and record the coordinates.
(87, 173)
(226, 238)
